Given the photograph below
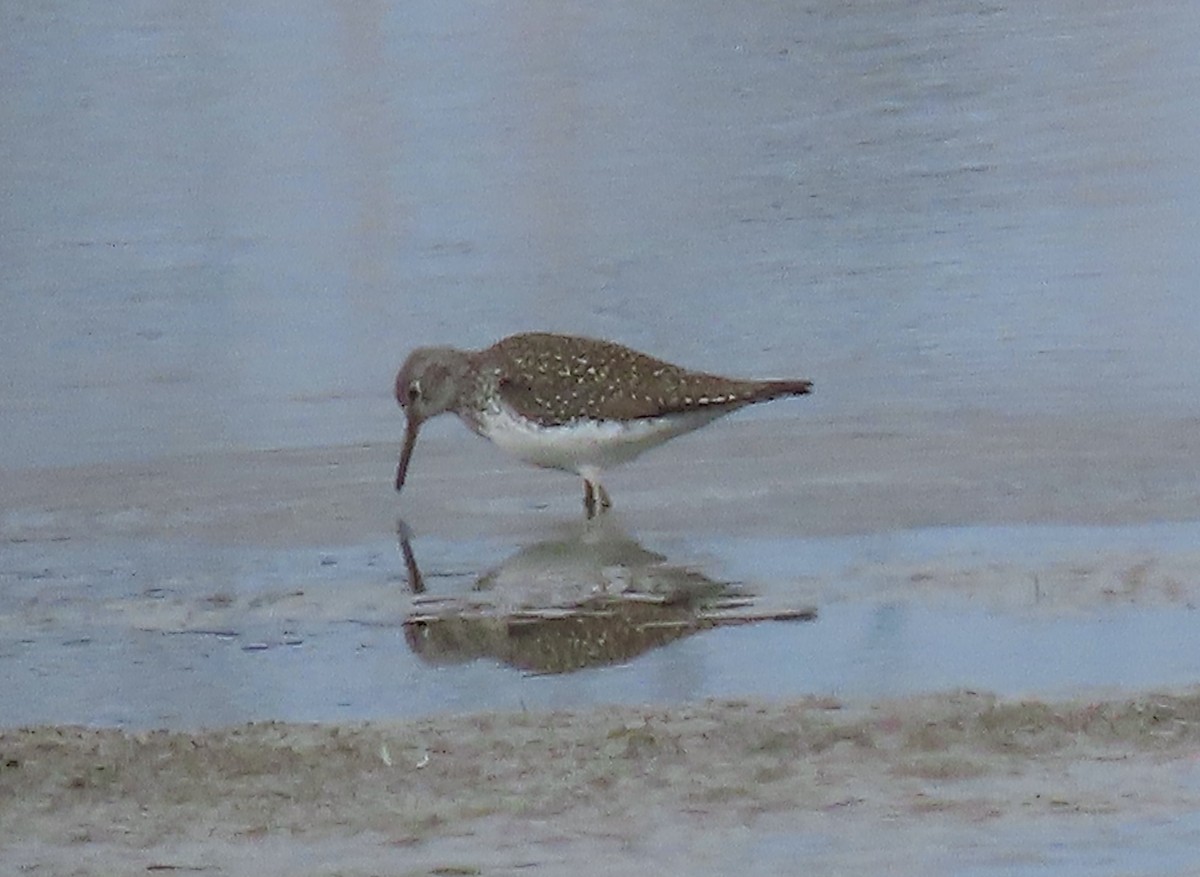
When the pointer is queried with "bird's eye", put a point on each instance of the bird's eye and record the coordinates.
(414, 391)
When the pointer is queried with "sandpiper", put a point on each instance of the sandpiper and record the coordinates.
(571, 403)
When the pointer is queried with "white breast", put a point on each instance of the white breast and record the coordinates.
(583, 444)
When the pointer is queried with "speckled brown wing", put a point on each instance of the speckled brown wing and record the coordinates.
(555, 379)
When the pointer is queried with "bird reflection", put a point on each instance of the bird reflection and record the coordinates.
(416, 584)
(590, 597)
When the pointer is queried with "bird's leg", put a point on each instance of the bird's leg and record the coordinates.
(595, 498)
(602, 494)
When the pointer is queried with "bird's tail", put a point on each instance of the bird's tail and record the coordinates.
(779, 389)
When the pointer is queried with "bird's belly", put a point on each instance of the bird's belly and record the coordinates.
(585, 444)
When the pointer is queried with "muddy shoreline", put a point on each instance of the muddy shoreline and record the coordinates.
(604, 789)
(223, 229)
(498, 793)
(894, 472)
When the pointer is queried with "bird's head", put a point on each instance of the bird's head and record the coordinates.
(428, 384)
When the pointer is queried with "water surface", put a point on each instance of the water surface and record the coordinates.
(222, 226)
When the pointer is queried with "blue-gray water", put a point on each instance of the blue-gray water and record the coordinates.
(194, 637)
(223, 224)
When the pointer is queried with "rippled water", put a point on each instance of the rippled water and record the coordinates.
(191, 636)
(222, 225)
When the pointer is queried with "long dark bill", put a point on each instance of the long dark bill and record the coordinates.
(410, 442)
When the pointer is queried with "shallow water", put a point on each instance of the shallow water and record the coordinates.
(223, 227)
(244, 635)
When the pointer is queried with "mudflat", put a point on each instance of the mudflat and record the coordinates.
(894, 786)
(803, 475)
(972, 226)
(900, 784)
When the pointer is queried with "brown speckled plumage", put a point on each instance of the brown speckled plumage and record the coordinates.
(555, 379)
